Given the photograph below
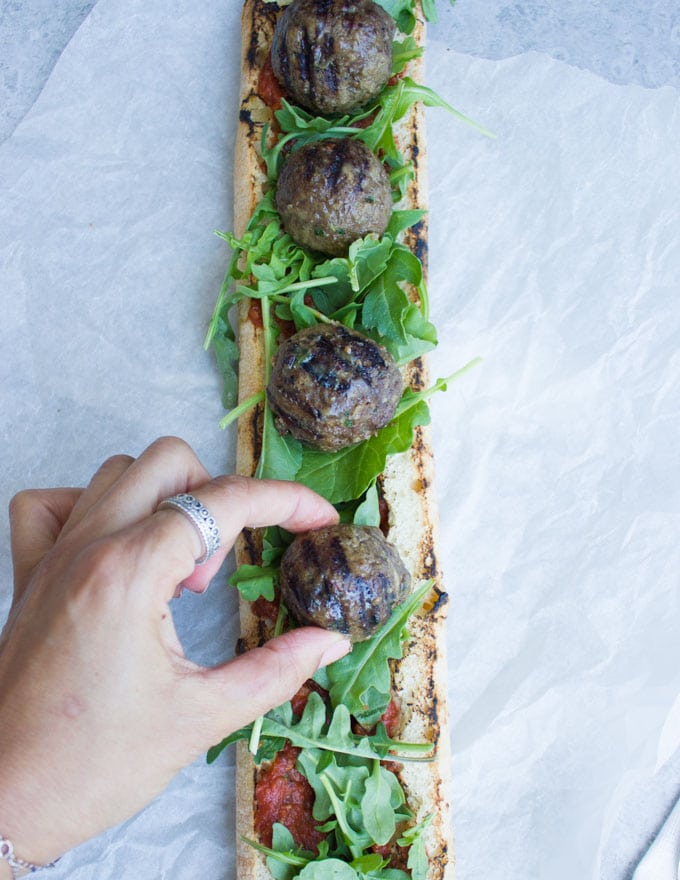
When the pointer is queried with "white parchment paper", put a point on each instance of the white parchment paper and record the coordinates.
(554, 256)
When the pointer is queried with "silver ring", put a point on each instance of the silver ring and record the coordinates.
(201, 518)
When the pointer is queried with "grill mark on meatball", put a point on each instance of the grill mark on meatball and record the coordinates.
(326, 365)
(368, 358)
(309, 554)
(330, 77)
(361, 174)
(326, 376)
(300, 403)
(305, 58)
(339, 558)
(284, 61)
(341, 156)
(329, 68)
(333, 173)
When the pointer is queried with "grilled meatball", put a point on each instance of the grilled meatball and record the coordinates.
(332, 387)
(331, 192)
(333, 56)
(346, 578)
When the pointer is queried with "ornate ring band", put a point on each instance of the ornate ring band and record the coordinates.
(202, 520)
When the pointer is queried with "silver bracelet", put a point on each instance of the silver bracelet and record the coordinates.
(19, 867)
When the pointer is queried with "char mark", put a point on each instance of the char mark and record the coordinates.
(326, 378)
(255, 431)
(335, 167)
(249, 540)
(441, 601)
(305, 58)
(339, 559)
(309, 554)
(420, 241)
(302, 404)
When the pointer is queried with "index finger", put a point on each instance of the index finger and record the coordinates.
(167, 544)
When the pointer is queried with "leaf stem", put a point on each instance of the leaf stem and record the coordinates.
(254, 743)
(410, 400)
(243, 407)
(288, 858)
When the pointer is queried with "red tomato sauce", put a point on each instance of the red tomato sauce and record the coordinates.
(299, 701)
(282, 794)
(268, 87)
(266, 608)
(255, 313)
(390, 719)
(397, 855)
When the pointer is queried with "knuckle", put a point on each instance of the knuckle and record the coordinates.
(171, 446)
(233, 484)
(22, 503)
(117, 462)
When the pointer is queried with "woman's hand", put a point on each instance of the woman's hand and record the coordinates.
(99, 708)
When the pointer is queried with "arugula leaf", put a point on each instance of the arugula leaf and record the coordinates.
(267, 751)
(388, 874)
(349, 777)
(412, 398)
(404, 52)
(368, 862)
(402, 11)
(283, 857)
(226, 355)
(430, 9)
(281, 457)
(377, 810)
(340, 738)
(413, 838)
(360, 682)
(328, 869)
(401, 220)
(312, 732)
(414, 92)
(275, 542)
(346, 474)
(401, 326)
(368, 512)
(362, 800)
(254, 581)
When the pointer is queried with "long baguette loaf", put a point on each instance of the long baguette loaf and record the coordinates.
(407, 487)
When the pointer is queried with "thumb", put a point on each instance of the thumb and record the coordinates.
(262, 678)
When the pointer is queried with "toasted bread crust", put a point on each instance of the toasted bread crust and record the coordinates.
(407, 485)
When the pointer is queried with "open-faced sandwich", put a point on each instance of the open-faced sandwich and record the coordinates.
(323, 317)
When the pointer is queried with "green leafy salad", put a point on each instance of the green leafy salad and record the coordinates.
(378, 289)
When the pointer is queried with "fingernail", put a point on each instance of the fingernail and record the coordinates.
(335, 652)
